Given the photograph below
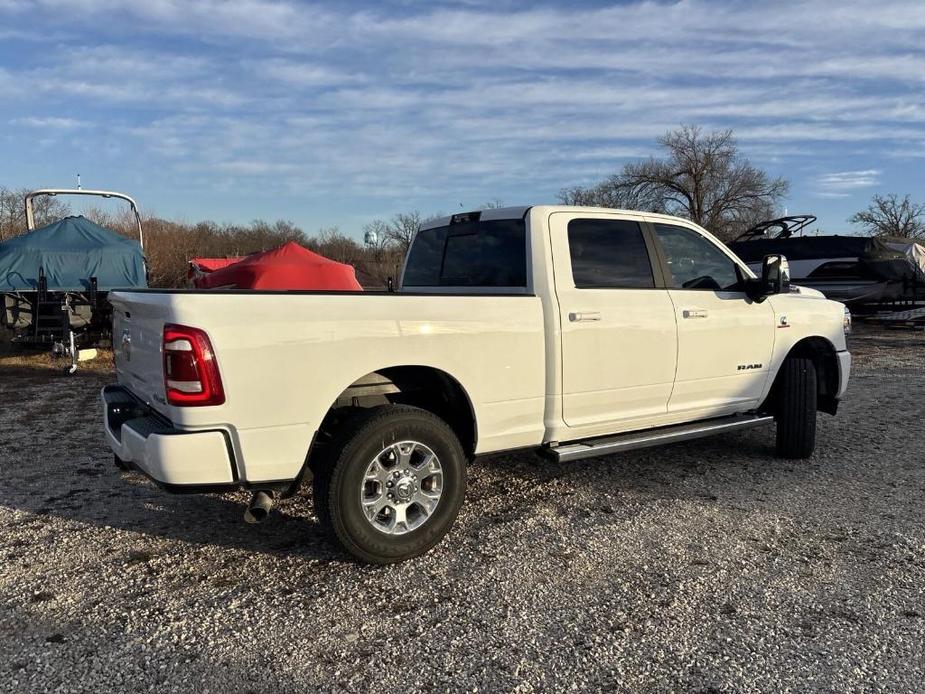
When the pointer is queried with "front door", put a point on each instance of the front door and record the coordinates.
(619, 338)
(725, 339)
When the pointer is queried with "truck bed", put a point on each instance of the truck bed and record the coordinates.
(286, 356)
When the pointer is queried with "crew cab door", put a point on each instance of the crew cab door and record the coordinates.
(725, 339)
(618, 332)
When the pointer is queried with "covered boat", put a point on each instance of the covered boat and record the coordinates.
(853, 269)
(54, 280)
(913, 249)
(70, 254)
(287, 267)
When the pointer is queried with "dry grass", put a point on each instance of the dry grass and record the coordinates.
(45, 362)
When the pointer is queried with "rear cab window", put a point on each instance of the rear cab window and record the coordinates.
(469, 252)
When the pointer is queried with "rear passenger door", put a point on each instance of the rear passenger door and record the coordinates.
(618, 332)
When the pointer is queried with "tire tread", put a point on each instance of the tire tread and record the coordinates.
(796, 411)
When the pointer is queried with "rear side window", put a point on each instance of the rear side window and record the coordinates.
(609, 254)
(469, 254)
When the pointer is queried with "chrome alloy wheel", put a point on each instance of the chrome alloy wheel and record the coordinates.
(401, 487)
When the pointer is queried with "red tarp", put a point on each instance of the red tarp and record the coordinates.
(201, 266)
(288, 267)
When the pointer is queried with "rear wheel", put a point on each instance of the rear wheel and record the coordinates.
(796, 409)
(393, 483)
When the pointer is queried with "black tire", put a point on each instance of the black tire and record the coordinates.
(120, 464)
(796, 408)
(339, 480)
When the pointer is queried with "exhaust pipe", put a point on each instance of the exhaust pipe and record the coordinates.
(259, 507)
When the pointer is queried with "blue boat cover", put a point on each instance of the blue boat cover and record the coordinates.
(71, 251)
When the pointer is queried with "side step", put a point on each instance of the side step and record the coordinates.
(590, 448)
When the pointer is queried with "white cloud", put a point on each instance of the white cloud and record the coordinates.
(48, 122)
(303, 74)
(256, 18)
(842, 183)
(431, 98)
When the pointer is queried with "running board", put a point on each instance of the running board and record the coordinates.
(591, 448)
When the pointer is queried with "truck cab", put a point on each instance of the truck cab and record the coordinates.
(650, 319)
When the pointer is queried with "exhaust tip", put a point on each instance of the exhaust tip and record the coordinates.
(259, 508)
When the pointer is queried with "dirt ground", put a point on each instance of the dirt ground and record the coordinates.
(707, 566)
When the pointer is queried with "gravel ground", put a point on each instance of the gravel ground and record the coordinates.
(706, 566)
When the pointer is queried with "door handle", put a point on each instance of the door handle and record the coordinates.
(584, 316)
(695, 313)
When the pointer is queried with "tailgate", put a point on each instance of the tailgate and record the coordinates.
(137, 332)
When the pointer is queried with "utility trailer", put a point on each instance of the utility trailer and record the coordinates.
(55, 280)
(912, 318)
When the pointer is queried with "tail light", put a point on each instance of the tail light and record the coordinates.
(191, 376)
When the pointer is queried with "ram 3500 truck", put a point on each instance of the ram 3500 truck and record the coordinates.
(576, 331)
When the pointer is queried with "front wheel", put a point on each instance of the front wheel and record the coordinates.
(796, 409)
(393, 485)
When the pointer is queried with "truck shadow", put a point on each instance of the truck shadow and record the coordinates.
(93, 492)
(129, 502)
(709, 470)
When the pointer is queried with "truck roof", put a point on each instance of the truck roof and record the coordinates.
(519, 211)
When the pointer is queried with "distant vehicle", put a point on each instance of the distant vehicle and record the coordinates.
(852, 269)
(54, 280)
(575, 331)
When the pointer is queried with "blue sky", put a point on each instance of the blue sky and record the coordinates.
(335, 112)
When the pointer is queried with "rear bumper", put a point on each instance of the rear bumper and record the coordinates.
(192, 461)
(844, 372)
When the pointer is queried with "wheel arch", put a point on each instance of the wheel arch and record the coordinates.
(424, 386)
(823, 355)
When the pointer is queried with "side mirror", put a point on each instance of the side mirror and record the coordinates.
(775, 279)
(775, 275)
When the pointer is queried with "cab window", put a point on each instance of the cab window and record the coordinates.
(469, 253)
(609, 254)
(694, 262)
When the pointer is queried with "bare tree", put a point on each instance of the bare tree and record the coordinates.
(397, 232)
(382, 257)
(891, 216)
(13, 211)
(702, 177)
(334, 244)
(402, 228)
(376, 236)
(612, 192)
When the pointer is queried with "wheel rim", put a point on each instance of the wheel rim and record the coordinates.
(401, 488)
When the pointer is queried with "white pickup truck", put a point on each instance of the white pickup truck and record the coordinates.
(576, 331)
